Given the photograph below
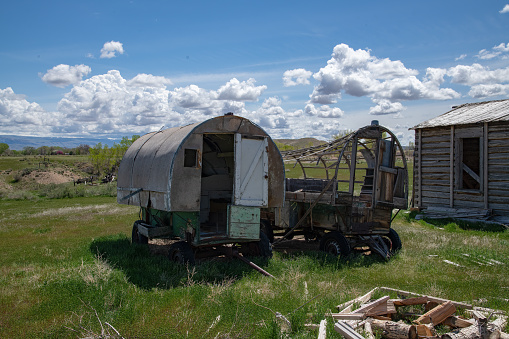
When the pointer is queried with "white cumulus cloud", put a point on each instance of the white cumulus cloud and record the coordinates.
(358, 73)
(19, 116)
(236, 90)
(488, 90)
(149, 80)
(296, 77)
(505, 9)
(323, 111)
(110, 49)
(477, 74)
(64, 75)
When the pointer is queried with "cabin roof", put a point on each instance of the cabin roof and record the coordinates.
(473, 113)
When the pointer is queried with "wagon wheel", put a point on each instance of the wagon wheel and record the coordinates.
(266, 228)
(181, 252)
(137, 237)
(335, 243)
(392, 241)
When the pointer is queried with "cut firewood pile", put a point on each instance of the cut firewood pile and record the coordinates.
(413, 316)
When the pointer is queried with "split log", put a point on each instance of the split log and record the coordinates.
(368, 330)
(425, 330)
(438, 314)
(382, 309)
(410, 301)
(456, 322)
(393, 330)
(438, 300)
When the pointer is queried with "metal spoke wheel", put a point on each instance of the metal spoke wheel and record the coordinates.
(335, 243)
(392, 241)
(181, 252)
(137, 237)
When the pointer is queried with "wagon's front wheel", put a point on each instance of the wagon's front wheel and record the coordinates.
(392, 241)
(181, 252)
(137, 237)
(335, 243)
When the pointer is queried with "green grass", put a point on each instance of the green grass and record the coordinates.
(67, 265)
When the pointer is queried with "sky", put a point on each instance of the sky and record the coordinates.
(296, 68)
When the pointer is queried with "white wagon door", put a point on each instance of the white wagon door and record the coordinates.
(251, 171)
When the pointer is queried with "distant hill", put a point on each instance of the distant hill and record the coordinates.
(300, 143)
(19, 142)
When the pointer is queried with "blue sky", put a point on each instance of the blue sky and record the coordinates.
(298, 69)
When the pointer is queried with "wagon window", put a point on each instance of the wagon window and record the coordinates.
(190, 157)
(470, 165)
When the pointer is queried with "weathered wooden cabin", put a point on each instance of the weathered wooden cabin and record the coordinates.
(461, 161)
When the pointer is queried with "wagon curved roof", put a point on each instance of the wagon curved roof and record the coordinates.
(148, 165)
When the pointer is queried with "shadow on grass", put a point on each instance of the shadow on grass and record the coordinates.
(147, 271)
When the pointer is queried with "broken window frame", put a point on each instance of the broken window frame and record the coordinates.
(461, 169)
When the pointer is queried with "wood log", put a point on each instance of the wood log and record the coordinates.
(471, 332)
(430, 305)
(393, 330)
(438, 314)
(456, 322)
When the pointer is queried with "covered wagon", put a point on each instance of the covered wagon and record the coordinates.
(205, 184)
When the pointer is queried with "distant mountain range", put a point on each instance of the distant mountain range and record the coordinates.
(19, 142)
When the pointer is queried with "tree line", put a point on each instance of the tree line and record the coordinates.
(104, 159)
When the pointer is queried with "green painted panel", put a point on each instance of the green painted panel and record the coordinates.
(244, 222)
(183, 221)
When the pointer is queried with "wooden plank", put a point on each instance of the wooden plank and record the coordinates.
(373, 304)
(346, 330)
(347, 306)
(347, 316)
(438, 314)
(322, 331)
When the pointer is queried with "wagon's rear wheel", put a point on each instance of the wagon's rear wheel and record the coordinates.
(335, 243)
(181, 252)
(392, 241)
(137, 237)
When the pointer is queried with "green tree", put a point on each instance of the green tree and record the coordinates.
(3, 147)
(107, 159)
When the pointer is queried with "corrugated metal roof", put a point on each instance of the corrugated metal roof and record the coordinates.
(480, 112)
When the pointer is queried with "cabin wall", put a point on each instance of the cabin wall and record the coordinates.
(437, 162)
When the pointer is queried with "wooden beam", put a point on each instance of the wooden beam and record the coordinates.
(322, 331)
(347, 306)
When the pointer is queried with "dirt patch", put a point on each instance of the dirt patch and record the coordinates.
(46, 178)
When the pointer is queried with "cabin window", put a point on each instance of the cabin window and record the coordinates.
(470, 165)
(190, 157)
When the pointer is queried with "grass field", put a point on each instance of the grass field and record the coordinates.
(68, 269)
